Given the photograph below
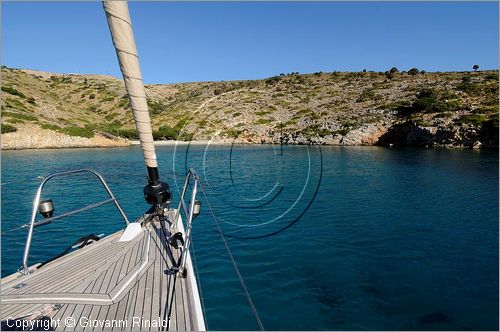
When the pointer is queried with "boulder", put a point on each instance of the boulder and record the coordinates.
(477, 145)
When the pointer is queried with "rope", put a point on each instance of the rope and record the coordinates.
(160, 248)
(171, 302)
(240, 277)
(84, 240)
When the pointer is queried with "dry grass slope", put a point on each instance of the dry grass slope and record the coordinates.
(319, 108)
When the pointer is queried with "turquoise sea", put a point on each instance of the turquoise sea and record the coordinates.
(330, 238)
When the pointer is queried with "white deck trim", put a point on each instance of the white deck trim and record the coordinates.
(200, 320)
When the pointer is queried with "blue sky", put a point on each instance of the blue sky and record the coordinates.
(185, 42)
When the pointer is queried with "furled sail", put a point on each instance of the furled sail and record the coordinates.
(126, 51)
(156, 192)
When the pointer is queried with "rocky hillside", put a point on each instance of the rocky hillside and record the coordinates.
(457, 109)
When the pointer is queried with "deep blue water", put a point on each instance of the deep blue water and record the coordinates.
(380, 239)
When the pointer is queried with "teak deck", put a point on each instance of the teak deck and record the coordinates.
(126, 284)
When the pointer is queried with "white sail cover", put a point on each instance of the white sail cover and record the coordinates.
(123, 39)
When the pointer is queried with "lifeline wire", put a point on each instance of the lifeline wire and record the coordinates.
(240, 277)
(14, 229)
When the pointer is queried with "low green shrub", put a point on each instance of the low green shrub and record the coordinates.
(115, 129)
(263, 121)
(181, 124)
(389, 75)
(393, 70)
(272, 80)
(124, 102)
(493, 77)
(323, 132)
(422, 123)
(7, 128)
(129, 133)
(470, 88)
(14, 121)
(343, 131)
(432, 101)
(56, 80)
(184, 136)
(474, 119)
(289, 123)
(155, 107)
(15, 104)
(486, 109)
(110, 116)
(112, 128)
(86, 131)
(13, 91)
(20, 116)
(202, 124)
(50, 126)
(366, 95)
(413, 71)
(166, 132)
(232, 133)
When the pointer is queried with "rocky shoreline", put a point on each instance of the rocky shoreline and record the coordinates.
(400, 134)
(379, 134)
(34, 137)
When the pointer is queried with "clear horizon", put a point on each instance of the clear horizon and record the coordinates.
(118, 76)
(195, 42)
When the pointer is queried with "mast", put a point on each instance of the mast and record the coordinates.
(120, 26)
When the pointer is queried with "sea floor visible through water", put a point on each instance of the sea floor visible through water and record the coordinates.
(326, 238)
